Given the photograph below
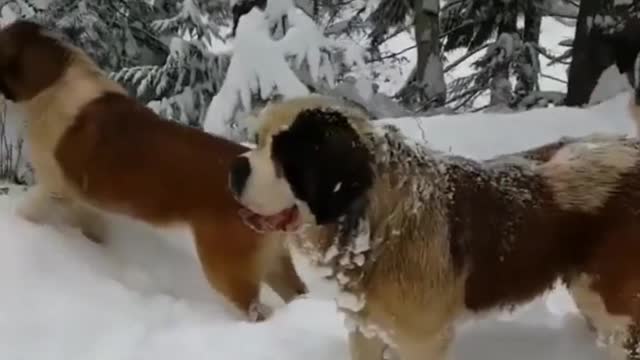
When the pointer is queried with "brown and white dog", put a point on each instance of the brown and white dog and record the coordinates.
(95, 149)
(410, 240)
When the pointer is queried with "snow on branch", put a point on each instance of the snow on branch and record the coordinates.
(182, 87)
(188, 20)
(263, 67)
(257, 65)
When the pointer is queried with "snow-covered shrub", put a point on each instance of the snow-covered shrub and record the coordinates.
(265, 64)
(182, 87)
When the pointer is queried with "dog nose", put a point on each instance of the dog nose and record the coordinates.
(239, 174)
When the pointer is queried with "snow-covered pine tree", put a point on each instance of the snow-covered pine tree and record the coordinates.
(513, 53)
(182, 86)
(115, 33)
(278, 51)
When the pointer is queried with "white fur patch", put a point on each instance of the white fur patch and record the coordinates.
(265, 193)
(583, 175)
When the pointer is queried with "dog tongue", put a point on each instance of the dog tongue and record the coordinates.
(260, 223)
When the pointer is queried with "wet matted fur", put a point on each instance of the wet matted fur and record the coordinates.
(96, 149)
(411, 240)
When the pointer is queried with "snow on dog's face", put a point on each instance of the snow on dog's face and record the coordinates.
(310, 166)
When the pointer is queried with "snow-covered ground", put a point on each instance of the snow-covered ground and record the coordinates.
(144, 297)
(484, 135)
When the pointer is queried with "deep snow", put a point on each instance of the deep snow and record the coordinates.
(144, 297)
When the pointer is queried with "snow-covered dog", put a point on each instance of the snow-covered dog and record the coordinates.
(410, 240)
(94, 148)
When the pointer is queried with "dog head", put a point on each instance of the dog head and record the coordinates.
(310, 165)
(31, 60)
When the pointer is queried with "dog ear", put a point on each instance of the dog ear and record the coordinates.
(325, 162)
(23, 46)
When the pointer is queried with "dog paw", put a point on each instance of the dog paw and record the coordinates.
(93, 235)
(259, 312)
(27, 211)
(301, 296)
(37, 206)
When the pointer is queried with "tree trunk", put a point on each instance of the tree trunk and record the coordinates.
(592, 54)
(532, 23)
(501, 89)
(529, 62)
(626, 46)
(426, 87)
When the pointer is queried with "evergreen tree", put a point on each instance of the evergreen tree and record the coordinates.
(297, 55)
(181, 87)
(511, 51)
(115, 33)
(425, 88)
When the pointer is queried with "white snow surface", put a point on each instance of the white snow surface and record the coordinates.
(484, 135)
(143, 296)
(610, 83)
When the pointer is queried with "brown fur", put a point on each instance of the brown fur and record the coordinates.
(96, 149)
(450, 237)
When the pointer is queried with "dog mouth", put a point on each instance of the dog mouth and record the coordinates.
(286, 220)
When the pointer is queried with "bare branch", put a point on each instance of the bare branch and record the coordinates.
(465, 57)
(553, 78)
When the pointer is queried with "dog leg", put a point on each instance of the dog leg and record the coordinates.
(425, 348)
(618, 333)
(230, 257)
(235, 283)
(364, 348)
(283, 278)
(38, 205)
(240, 289)
(259, 312)
(41, 206)
(89, 221)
